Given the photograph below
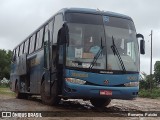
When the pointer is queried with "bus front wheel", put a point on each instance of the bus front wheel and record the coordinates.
(99, 102)
(53, 99)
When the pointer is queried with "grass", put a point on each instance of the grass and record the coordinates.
(154, 94)
(6, 91)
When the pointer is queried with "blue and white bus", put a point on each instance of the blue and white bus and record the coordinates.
(79, 54)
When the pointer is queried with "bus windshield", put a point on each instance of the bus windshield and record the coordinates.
(122, 31)
(89, 33)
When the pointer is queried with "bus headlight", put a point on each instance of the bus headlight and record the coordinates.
(75, 81)
(132, 84)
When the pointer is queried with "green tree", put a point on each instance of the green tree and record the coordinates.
(145, 84)
(5, 60)
(148, 82)
(157, 72)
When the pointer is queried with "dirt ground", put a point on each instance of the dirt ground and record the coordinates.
(79, 109)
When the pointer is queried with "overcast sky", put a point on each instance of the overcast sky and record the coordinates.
(18, 18)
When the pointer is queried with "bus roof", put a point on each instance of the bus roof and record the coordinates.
(93, 11)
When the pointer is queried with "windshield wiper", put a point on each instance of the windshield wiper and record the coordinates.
(96, 56)
(116, 52)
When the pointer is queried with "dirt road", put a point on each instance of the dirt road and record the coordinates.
(78, 108)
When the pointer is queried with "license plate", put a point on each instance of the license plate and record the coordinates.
(106, 92)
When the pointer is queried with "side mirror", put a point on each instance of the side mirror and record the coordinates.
(142, 47)
(142, 43)
(140, 36)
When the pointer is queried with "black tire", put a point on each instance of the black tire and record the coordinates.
(97, 102)
(53, 99)
(20, 95)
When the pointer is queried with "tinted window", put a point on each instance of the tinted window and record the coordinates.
(35, 41)
(21, 49)
(17, 51)
(26, 44)
(50, 27)
(13, 55)
(84, 18)
(57, 26)
(32, 43)
(39, 39)
(46, 33)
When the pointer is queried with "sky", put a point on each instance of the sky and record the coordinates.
(19, 18)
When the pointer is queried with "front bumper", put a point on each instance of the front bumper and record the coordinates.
(90, 91)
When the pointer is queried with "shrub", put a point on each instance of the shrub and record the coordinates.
(4, 83)
(154, 93)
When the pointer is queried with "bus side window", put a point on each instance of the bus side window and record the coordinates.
(58, 22)
(35, 41)
(39, 39)
(46, 33)
(26, 44)
(21, 49)
(14, 56)
(32, 43)
(46, 48)
(50, 27)
(17, 51)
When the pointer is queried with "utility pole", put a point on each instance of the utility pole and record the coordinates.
(151, 62)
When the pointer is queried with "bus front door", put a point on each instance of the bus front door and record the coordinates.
(47, 75)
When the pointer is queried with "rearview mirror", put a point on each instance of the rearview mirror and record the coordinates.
(140, 36)
(142, 46)
(142, 43)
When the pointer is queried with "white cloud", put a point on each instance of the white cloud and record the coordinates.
(21, 17)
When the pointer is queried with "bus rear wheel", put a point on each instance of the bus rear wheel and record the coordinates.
(20, 95)
(100, 102)
(53, 99)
